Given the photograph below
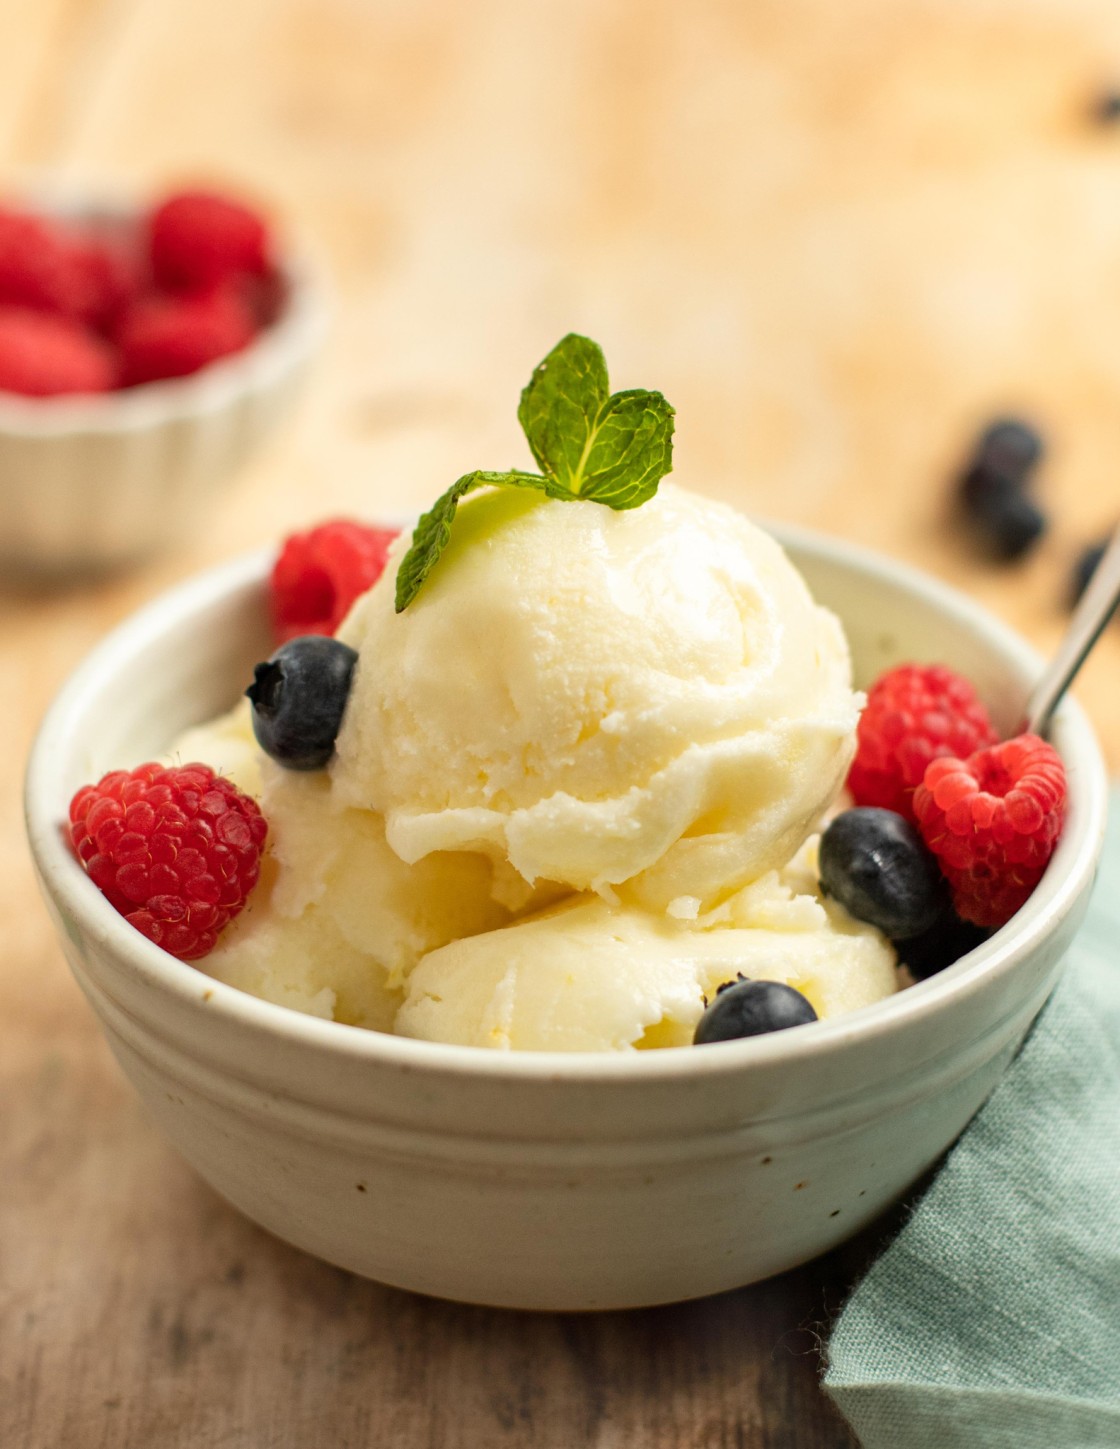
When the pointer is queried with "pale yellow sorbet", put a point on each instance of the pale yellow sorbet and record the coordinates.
(227, 744)
(337, 919)
(647, 697)
(588, 976)
(571, 795)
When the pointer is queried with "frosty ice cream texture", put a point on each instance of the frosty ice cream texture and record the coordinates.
(584, 975)
(648, 700)
(569, 784)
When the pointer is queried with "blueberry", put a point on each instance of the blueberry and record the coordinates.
(298, 698)
(1106, 108)
(751, 1008)
(1005, 520)
(1011, 447)
(946, 941)
(993, 490)
(1084, 569)
(876, 865)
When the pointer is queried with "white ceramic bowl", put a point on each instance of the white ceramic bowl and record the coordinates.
(549, 1181)
(93, 483)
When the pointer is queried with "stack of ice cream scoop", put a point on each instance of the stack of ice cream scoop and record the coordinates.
(568, 795)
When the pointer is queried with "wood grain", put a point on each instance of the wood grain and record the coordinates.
(837, 237)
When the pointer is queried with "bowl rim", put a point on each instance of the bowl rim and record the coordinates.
(293, 335)
(1053, 899)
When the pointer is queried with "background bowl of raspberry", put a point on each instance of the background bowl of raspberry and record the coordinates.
(548, 1180)
(117, 431)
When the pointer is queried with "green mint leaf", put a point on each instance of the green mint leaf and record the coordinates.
(590, 443)
(559, 407)
(429, 538)
(631, 450)
(607, 448)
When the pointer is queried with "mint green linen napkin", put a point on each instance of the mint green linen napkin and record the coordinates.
(993, 1319)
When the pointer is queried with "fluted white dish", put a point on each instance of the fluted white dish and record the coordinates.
(89, 483)
(550, 1181)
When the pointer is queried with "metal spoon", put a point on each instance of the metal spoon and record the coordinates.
(1097, 606)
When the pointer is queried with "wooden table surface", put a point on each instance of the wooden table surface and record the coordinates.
(837, 237)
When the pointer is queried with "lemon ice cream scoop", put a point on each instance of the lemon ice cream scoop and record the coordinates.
(645, 701)
(588, 976)
(562, 789)
(337, 919)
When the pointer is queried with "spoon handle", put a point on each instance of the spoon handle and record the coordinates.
(1098, 604)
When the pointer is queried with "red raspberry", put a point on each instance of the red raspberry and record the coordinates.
(265, 298)
(197, 238)
(113, 279)
(39, 268)
(175, 851)
(51, 268)
(993, 821)
(914, 714)
(44, 356)
(162, 336)
(320, 573)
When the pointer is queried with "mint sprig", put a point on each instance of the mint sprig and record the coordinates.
(614, 449)
(589, 443)
(431, 534)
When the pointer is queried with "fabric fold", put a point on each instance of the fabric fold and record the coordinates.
(993, 1319)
